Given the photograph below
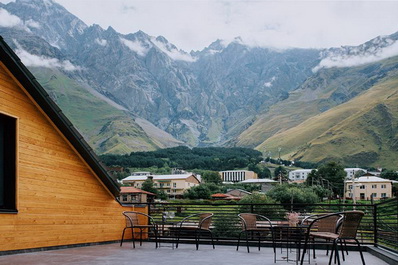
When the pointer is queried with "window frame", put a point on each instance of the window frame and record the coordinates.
(9, 125)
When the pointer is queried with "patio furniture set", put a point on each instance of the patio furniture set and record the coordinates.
(335, 230)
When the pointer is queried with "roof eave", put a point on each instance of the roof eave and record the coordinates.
(42, 98)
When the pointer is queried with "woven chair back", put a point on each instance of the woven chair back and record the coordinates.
(250, 221)
(205, 220)
(350, 225)
(131, 219)
(328, 224)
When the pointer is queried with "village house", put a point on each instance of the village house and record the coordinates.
(299, 175)
(134, 195)
(53, 190)
(172, 185)
(368, 186)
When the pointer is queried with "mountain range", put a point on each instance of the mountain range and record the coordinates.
(134, 92)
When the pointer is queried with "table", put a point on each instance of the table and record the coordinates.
(166, 231)
(289, 238)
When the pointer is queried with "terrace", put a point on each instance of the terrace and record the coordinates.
(147, 254)
(378, 234)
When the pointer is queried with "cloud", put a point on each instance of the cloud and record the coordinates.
(101, 42)
(135, 46)
(268, 23)
(8, 20)
(349, 60)
(42, 61)
(32, 24)
(173, 52)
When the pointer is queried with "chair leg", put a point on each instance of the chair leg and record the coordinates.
(247, 242)
(132, 237)
(343, 248)
(259, 240)
(237, 246)
(335, 251)
(178, 237)
(331, 255)
(305, 249)
(140, 237)
(313, 248)
(212, 241)
(273, 244)
(121, 241)
(197, 237)
(156, 236)
(360, 251)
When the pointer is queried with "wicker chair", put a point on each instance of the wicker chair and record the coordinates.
(141, 221)
(346, 233)
(322, 226)
(195, 224)
(251, 225)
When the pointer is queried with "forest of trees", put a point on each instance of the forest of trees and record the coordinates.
(209, 158)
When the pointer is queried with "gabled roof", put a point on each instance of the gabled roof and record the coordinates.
(37, 92)
(369, 179)
(134, 190)
(258, 181)
(159, 177)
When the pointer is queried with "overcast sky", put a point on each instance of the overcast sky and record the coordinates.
(194, 24)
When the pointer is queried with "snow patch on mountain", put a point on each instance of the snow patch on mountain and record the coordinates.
(101, 42)
(269, 83)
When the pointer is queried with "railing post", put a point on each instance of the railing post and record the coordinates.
(375, 224)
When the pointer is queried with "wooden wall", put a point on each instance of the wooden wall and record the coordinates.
(60, 201)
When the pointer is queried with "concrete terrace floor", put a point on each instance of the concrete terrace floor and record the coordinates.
(186, 254)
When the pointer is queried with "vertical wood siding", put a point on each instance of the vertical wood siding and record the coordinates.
(59, 199)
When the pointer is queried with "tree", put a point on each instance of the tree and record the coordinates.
(261, 170)
(198, 192)
(292, 193)
(147, 185)
(334, 173)
(389, 174)
(211, 177)
(280, 174)
(260, 204)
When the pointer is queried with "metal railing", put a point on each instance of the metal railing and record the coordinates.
(379, 226)
(386, 224)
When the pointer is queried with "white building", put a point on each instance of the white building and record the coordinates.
(299, 175)
(352, 171)
(237, 175)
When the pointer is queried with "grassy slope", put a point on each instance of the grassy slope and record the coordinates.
(317, 94)
(360, 131)
(106, 128)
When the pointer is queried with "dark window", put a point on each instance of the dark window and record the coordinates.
(7, 163)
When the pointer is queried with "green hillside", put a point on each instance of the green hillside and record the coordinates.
(106, 128)
(324, 90)
(362, 131)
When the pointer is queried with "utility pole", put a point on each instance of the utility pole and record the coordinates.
(279, 150)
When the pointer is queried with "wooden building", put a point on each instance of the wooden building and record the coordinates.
(53, 190)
